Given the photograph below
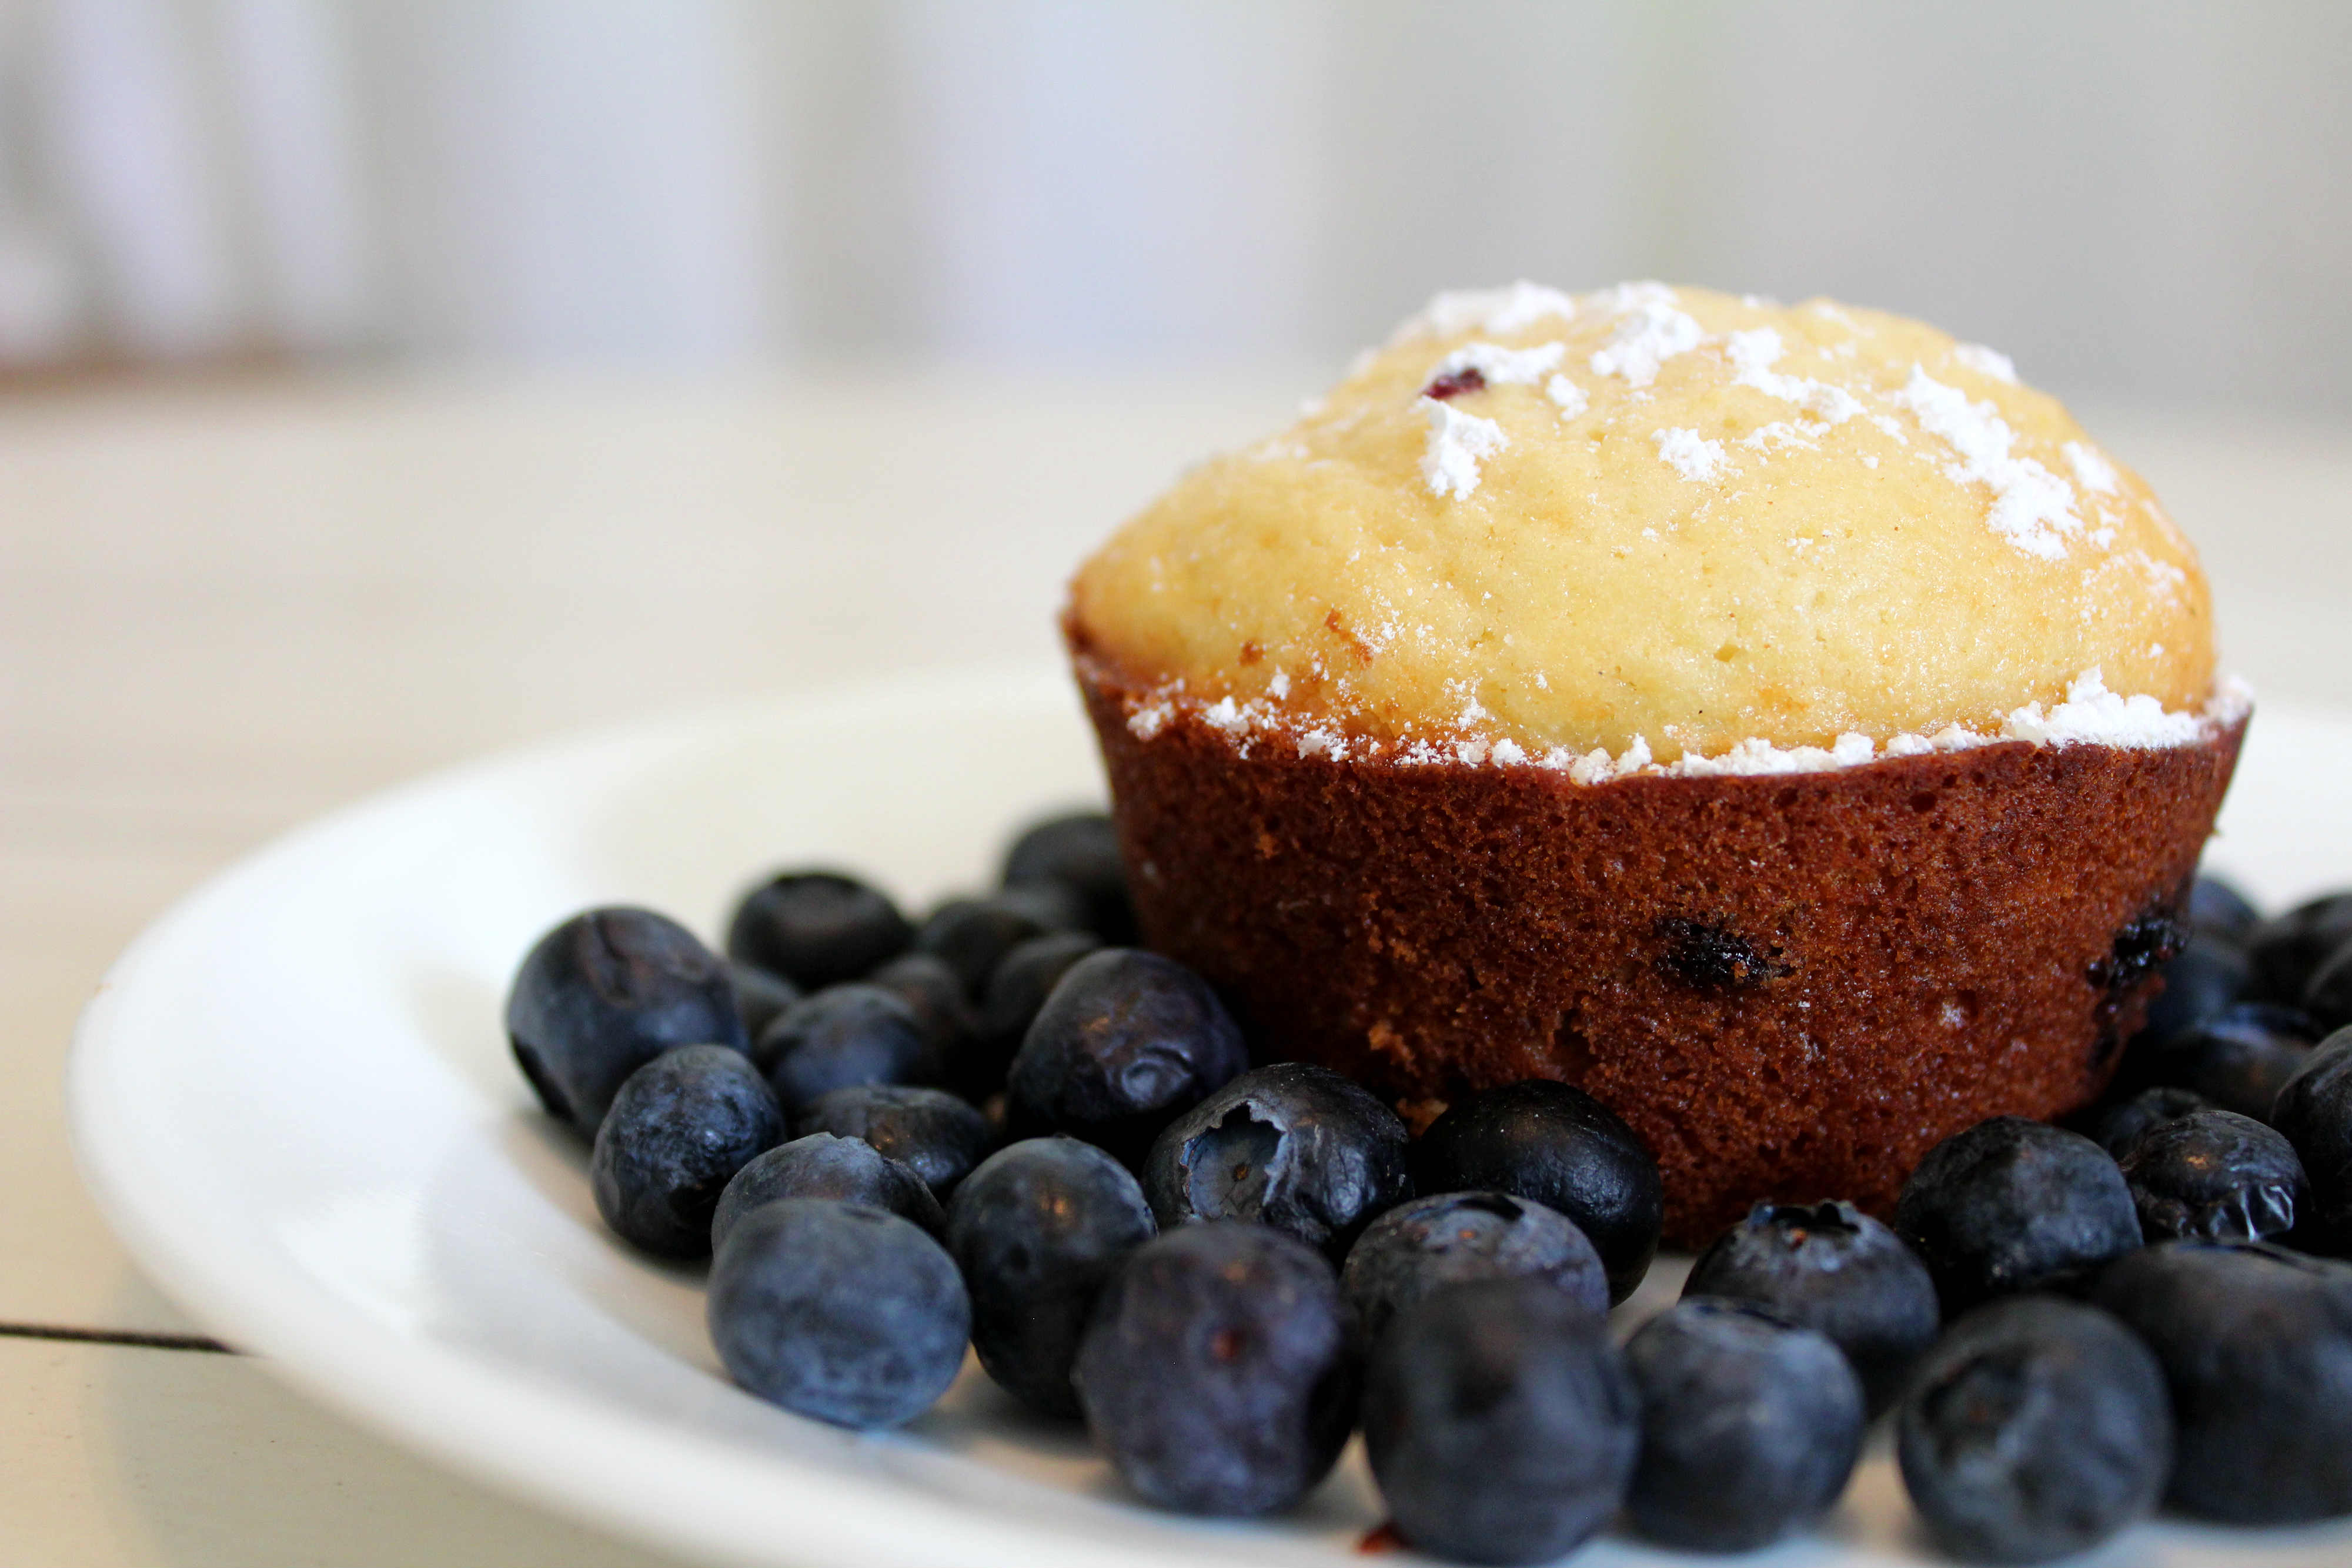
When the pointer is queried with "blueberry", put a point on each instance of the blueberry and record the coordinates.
(838, 1311)
(604, 993)
(2215, 1176)
(1562, 1148)
(971, 935)
(2036, 1427)
(1037, 1230)
(840, 1037)
(1293, 1146)
(2117, 1126)
(679, 1129)
(2287, 947)
(926, 983)
(2239, 1057)
(1830, 1268)
(1750, 1426)
(1501, 1424)
(816, 929)
(2218, 907)
(823, 1166)
(2256, 1343)
(2327, 996)
(1079, 850)
(1215, 1371)
(1017, 988)
(929, 1131)
(2314, 1110)
(1126, 1042)
(2207, 976)
(1417, 1246)
(2013, 1204)
(759, 997)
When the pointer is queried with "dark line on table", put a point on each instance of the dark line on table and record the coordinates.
(131, 1337)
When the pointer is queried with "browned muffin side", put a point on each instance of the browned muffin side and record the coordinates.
(1790, 986)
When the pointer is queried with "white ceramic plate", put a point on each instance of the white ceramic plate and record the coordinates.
(294, 1101)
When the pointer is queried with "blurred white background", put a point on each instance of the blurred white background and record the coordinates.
(2138, 199)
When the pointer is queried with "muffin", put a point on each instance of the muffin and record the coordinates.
(1777, 720)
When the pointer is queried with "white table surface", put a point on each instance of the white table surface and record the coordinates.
(225, 608)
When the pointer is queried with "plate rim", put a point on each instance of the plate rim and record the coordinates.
(383, 1380)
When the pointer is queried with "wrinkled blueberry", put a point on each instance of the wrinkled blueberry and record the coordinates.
(2209, 975)
(2327, 998)
(759, 997)
(1712, 957)
(1079, 850)
(1750, 1426)
(926, 983)
(971, 935)
(1037, 1230)
(1216, 1372)
(1017, 988)
(2215, 1176)
(2145, 944)
(2013, 1204)
(929, 1131)
(2239, 1057)
(2036, 1427)
(1501, 1424)
(679, 1129)
(1830, 1268)
(2314, 1110)
(2286, 949)
(1126, 1042)
(840, 1037)
(2118, 1126)
(839, 1312)
(816, 929)
(1292, 1146)
(2256, 1344)
(604, 993)
(2217, 906)
(1444, 1240)
(1565, 1150)
(823, 1166)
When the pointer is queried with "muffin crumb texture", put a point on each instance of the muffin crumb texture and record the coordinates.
(1660, 530)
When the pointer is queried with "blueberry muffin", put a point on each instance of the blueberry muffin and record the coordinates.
(1777, 720)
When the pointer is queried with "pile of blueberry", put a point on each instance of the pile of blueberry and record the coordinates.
(1009, 1128)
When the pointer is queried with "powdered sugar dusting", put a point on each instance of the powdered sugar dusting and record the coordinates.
(1567, 394)
(1652, 332)
(2091, 469)
(1148, 720)
(1456, 442)
(1498, 365)
(1782, 433)
(1498, 310)
(1986, 361)
(2090, 714)
(1757, 757)
(1754, 353)
(1688, 453)
(2032, 507)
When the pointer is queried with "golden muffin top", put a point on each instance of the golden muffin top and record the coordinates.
(1664, 524)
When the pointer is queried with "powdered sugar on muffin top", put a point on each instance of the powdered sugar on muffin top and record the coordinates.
(2091, 714)
(2034, 509)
